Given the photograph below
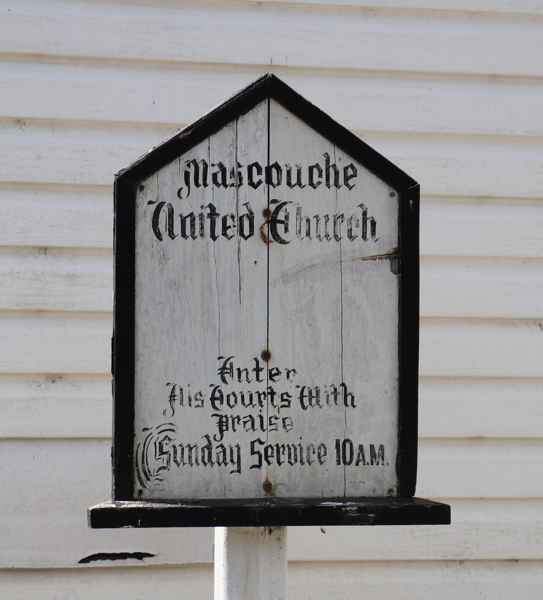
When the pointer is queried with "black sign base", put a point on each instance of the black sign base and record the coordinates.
(270, 512)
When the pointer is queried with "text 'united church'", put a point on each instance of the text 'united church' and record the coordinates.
(286, 221)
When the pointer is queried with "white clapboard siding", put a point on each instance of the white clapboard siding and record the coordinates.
(69, 279)
(415, 580)
(44, 521)
(477, 468)
(67, 153)
(481, 227)
(65, 216)
(476, 348)
(529, 7)
(480, 530)
(423, 580)
(39, 514)
(470, 167)
(187, 582)
(79, 406)
(480, 408)
(32, 342)
(72, 153)
(59, 279)
(483, 288)
(451, 92)
(64, 406)
(295, 36)
(361, 101)
(82, 216)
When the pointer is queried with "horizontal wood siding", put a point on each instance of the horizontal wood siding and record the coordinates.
(39, 151)
(137, 92)
(424, 580)
(451, 91)
(68, 342)
(300, 36)
(66, 279)
(79, 406)
(82, 217)
(43, 516)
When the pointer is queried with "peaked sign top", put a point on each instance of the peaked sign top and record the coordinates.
(266, 325)
(268, 86)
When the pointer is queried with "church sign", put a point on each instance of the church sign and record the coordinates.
(265, 352)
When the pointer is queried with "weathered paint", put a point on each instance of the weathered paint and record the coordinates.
(218, 283)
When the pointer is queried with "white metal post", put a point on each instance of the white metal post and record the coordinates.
(250, 563)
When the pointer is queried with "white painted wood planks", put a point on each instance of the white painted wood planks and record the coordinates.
(448, 165)
(345, 39)
(420, 580)
(501, 109)
(314, 284)
(52, 342)
(80, 280)
(81, 217)
(39, 516)
(201, 301)
(79, 406)
(114, 91)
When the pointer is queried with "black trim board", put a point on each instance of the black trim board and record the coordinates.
(270, 512)
(123, 343)
(408, 346)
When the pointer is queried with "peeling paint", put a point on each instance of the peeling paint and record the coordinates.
(115, 556)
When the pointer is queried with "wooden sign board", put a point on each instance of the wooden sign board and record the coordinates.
(266, 323)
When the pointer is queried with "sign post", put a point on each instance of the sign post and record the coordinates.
(250, 562)
(265, 354)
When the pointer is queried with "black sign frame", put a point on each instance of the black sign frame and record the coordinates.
(125, 509)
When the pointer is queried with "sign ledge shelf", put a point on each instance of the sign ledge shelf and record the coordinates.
(259, 512)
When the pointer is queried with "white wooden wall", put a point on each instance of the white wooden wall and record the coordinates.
(450, 90)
